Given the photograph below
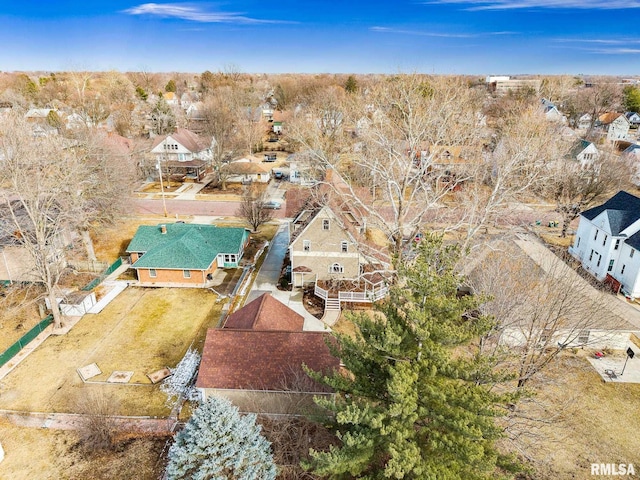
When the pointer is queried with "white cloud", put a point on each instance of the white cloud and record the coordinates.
(424, 33)
(193, 13)
(519, 4)
(616, 51)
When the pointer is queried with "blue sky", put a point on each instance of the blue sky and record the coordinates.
(431, 36)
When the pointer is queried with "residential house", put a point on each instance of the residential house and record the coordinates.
(170, 98)
(263, 370)
(183, 153)
(184, 255)
(585, 153)
(551, 112)
(615, 124)
(584, 122)
(634, 119)
(607, 242)
(247, 170)
(256, 360)
(324, 253)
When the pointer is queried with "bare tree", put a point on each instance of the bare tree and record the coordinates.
(574, 187)
(43, 180)
(404, 124)
(253, 208)
(541, 306)
(518, 163)
(98, 427)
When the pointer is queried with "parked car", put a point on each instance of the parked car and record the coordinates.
(272, 205)
(270, 157)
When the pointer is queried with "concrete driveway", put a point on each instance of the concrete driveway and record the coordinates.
(267, 281)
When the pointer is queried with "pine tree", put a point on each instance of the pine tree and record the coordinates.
(218, 443)
(170, 86)
(413, 405)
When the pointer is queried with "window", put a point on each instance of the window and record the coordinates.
(617, 245)
(186, 273)
(591, 256)
(325, 224)
(336, 268)
(595, 237)
(306, 245)
(610, 266)
(583, 337)
(631, 253)
(344, 246)
(622, 271)
(605, 240)
(599, 260)
(578, 242)
(153, 273)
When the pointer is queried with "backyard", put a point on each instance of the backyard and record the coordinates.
(141, 331)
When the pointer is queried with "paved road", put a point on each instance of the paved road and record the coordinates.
(191, 207)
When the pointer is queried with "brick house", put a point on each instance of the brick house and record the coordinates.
(184, 255)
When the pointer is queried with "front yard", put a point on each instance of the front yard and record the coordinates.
(141, 331)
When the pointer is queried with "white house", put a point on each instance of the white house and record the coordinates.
(184, 153)
(634, 119)
(584, 122)
(616, 125)
(607, 242)
(586, 153)
(551, 112)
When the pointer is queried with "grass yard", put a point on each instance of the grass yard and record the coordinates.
(142, 330)
(18, 312)
(588, 421)
(34, 453)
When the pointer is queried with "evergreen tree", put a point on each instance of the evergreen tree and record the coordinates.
(218, 443)
(170, 86)
(632, 99)
(351, 86)
(142, 95)
(414, 404)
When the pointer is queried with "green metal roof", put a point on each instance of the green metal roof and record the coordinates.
(185, 246)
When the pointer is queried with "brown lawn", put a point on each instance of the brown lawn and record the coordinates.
(142, 330)
(32, 453)
(111, 242)
(587, 421)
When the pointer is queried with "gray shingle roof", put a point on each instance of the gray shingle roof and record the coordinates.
(184, 246)
(622, 209)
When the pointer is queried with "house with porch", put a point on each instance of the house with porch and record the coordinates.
(184, 254)
(607, 243)
(634, 119)
(183, 154)
(246, 170)
(324, 253)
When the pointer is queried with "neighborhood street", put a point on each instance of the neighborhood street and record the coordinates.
(191, 207)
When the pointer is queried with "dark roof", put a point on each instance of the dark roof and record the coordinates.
(184, 245)
(634, 240)
(622, 209)
(265, 313)
(262, 360)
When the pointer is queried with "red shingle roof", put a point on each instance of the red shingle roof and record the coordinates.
(268, 360)
(265, 313)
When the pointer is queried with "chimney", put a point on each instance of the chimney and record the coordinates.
(163, 229)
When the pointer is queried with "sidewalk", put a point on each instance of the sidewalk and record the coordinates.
(266, 281)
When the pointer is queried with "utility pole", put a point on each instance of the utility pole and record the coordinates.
(164, 203)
